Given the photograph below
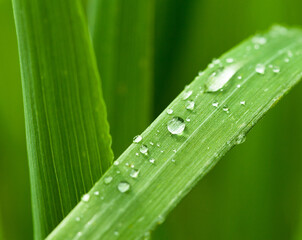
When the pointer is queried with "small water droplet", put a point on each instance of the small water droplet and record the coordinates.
(136, 154)
(260, 68)
(123, 187)
(158, 145)
(190, 105)
(176, 125)
(118, 171)
(188, 119)
(86, 197)
(259, 40)
(174, 150)
(229, 60)
(116, 233)
(240, 139)
(276, 69)
(134, 173)
(238, 85)
(169, 111)
(200, 73)
(144, 149)
(152, 160)
(286, 60)
(78, 219)
(239, 77)
(173, 160)
(108, 179)
(215, 104)
(96, 193)
(116, 163)
(137, 139)
(79, 234)
(127, 164)
(242, 102)
(226, 108)
(187, 94)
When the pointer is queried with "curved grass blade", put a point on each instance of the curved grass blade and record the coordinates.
(122, 34)
(153, 175)
(67, 132)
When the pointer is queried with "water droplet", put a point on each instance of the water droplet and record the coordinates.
(134, 173)
(229, 60)
(260, 68)
(78, 219)
(116, 233)
(79, 234)
(239, 77)
(136, 154)
(116, 163)
(86, 197)
(127, 164)
(259, 40)
(215, 104)
(240, 139)
(118, 172)
(226, 108)
(190, 105)
(200, 73)
(176, 125)
(286, 60)
(219, 78)
(158, 145)
(238, 85)
(96, 193)
(169, 111)
(137, 139)
(152, 160)
(276, 69)
(242, 102)
(188, 119)
(187, 94)
(173, 161)
(123, 187)
(144, 149)
(151, 143)
(108, 179)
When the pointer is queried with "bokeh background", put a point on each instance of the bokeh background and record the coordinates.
(255, 191)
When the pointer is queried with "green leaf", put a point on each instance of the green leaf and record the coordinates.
(68, 137)
(219, 121)
(122, 33)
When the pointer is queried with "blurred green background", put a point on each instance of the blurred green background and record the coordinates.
(253, 193)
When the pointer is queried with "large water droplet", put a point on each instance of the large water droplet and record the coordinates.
(220, 77)
(144, 149)
(176, 125)
(137, 139)
(134, 173)
(190, 105)
(260, 68)
(123, 187)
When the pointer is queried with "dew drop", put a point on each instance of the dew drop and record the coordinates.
(242, 102)
(187, 94)
(238, 85)
(86, 197)
(151, 143)
(190, 105)
(78, 219)
(259, 40)
(239, 77)
(144, 149)
(176, 125)
(215, 104)
(200, 73)
(169, 111)
(219, 78)
(152, 160)
(116, 163)
(173, 161)
(137, 139)
(226, 108)
(116, 233)
(96, 193)
(108, 179)
(260, 68)
(276, 69)
(134, 173)
(123, 187)
(229, 60)
(240, 139)
(188, 119)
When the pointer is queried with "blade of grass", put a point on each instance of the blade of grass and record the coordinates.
(67, 132)
(122, 33)
(218, 122)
